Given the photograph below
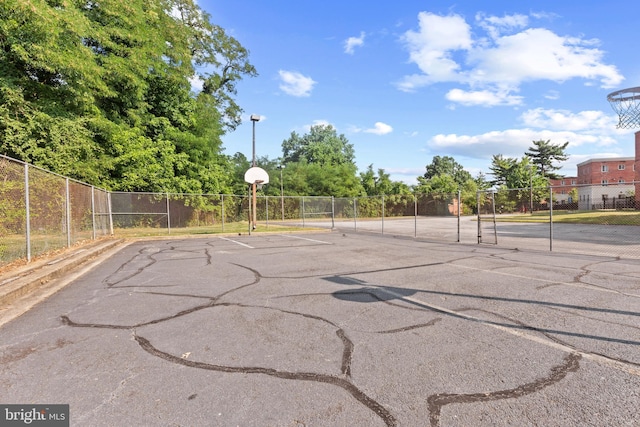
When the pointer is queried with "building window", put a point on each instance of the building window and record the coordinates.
(604, 168)
(573, 182)
(562, 182)
(621, 181)
(605, 182)
(621, 167)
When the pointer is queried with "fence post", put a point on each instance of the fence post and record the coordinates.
(27, 212)
(415, 216)
(383, 214)
(222, 212)
(302, 211)
(478, 213)
(550, 219)
(168, 216)
(110, 210)
(266, 206)
(67, 201)
(282, 204)
(333, 212)
(493, 207)
(250, 213)
(355, 216)
(93, 211)
(459, 209)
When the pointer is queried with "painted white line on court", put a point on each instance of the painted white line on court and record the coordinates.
(540, 340)
(236, 242)
(557, 282)
(304, 238)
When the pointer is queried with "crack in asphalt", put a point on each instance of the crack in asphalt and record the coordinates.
(436, 402)
(347, 344)
(553, 337)
(146, 258)
(354, 391)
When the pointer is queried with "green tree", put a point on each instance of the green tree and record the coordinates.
(322, 145)
(447, 166)
(443, 175)
(240, 164)
(481, 181)
(222, 58)
(313, 179)
(501, 169)
(519, 175)
(443, 183)
(543, 154)
(381, 184)
(101, 91)
(512, 173)
(573, 195)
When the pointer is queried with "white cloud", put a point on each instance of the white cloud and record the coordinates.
(539, 54)
(566, 120)
(431, 47)
(196, 83)
(447, 49)
(485, 98)
(352, 42)
(495, 25)
(406, 175)
(319, 122)
(295, 84)
(585, 131)
(380, 128)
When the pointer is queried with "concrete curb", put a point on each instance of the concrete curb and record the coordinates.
(23, 281)
(23, 287)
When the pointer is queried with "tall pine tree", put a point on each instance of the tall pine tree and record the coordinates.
(543, 154)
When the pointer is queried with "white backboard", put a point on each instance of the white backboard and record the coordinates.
(256, 175)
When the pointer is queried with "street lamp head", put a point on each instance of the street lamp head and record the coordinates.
(255, 118)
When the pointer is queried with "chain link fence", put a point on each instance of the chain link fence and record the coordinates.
(42, 212)
(600, 220)
(430, 216)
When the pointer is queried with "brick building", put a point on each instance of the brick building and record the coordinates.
(605, 183)
(637, 169)
(562, 189)
(602, 183)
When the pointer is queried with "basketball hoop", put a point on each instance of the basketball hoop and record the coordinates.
(256, 175)
(626, 103)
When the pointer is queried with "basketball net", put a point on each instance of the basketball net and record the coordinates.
(626, 103)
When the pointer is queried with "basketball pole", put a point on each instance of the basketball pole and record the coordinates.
(254, 118)
(253, 187)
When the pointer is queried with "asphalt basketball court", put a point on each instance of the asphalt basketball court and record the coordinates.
(333, 329)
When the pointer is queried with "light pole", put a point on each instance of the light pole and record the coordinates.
(254, 118)
(281, 192)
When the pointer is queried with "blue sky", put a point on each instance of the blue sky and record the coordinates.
(409, 80)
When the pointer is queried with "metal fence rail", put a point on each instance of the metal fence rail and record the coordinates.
(41, 211)
(605, 220)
